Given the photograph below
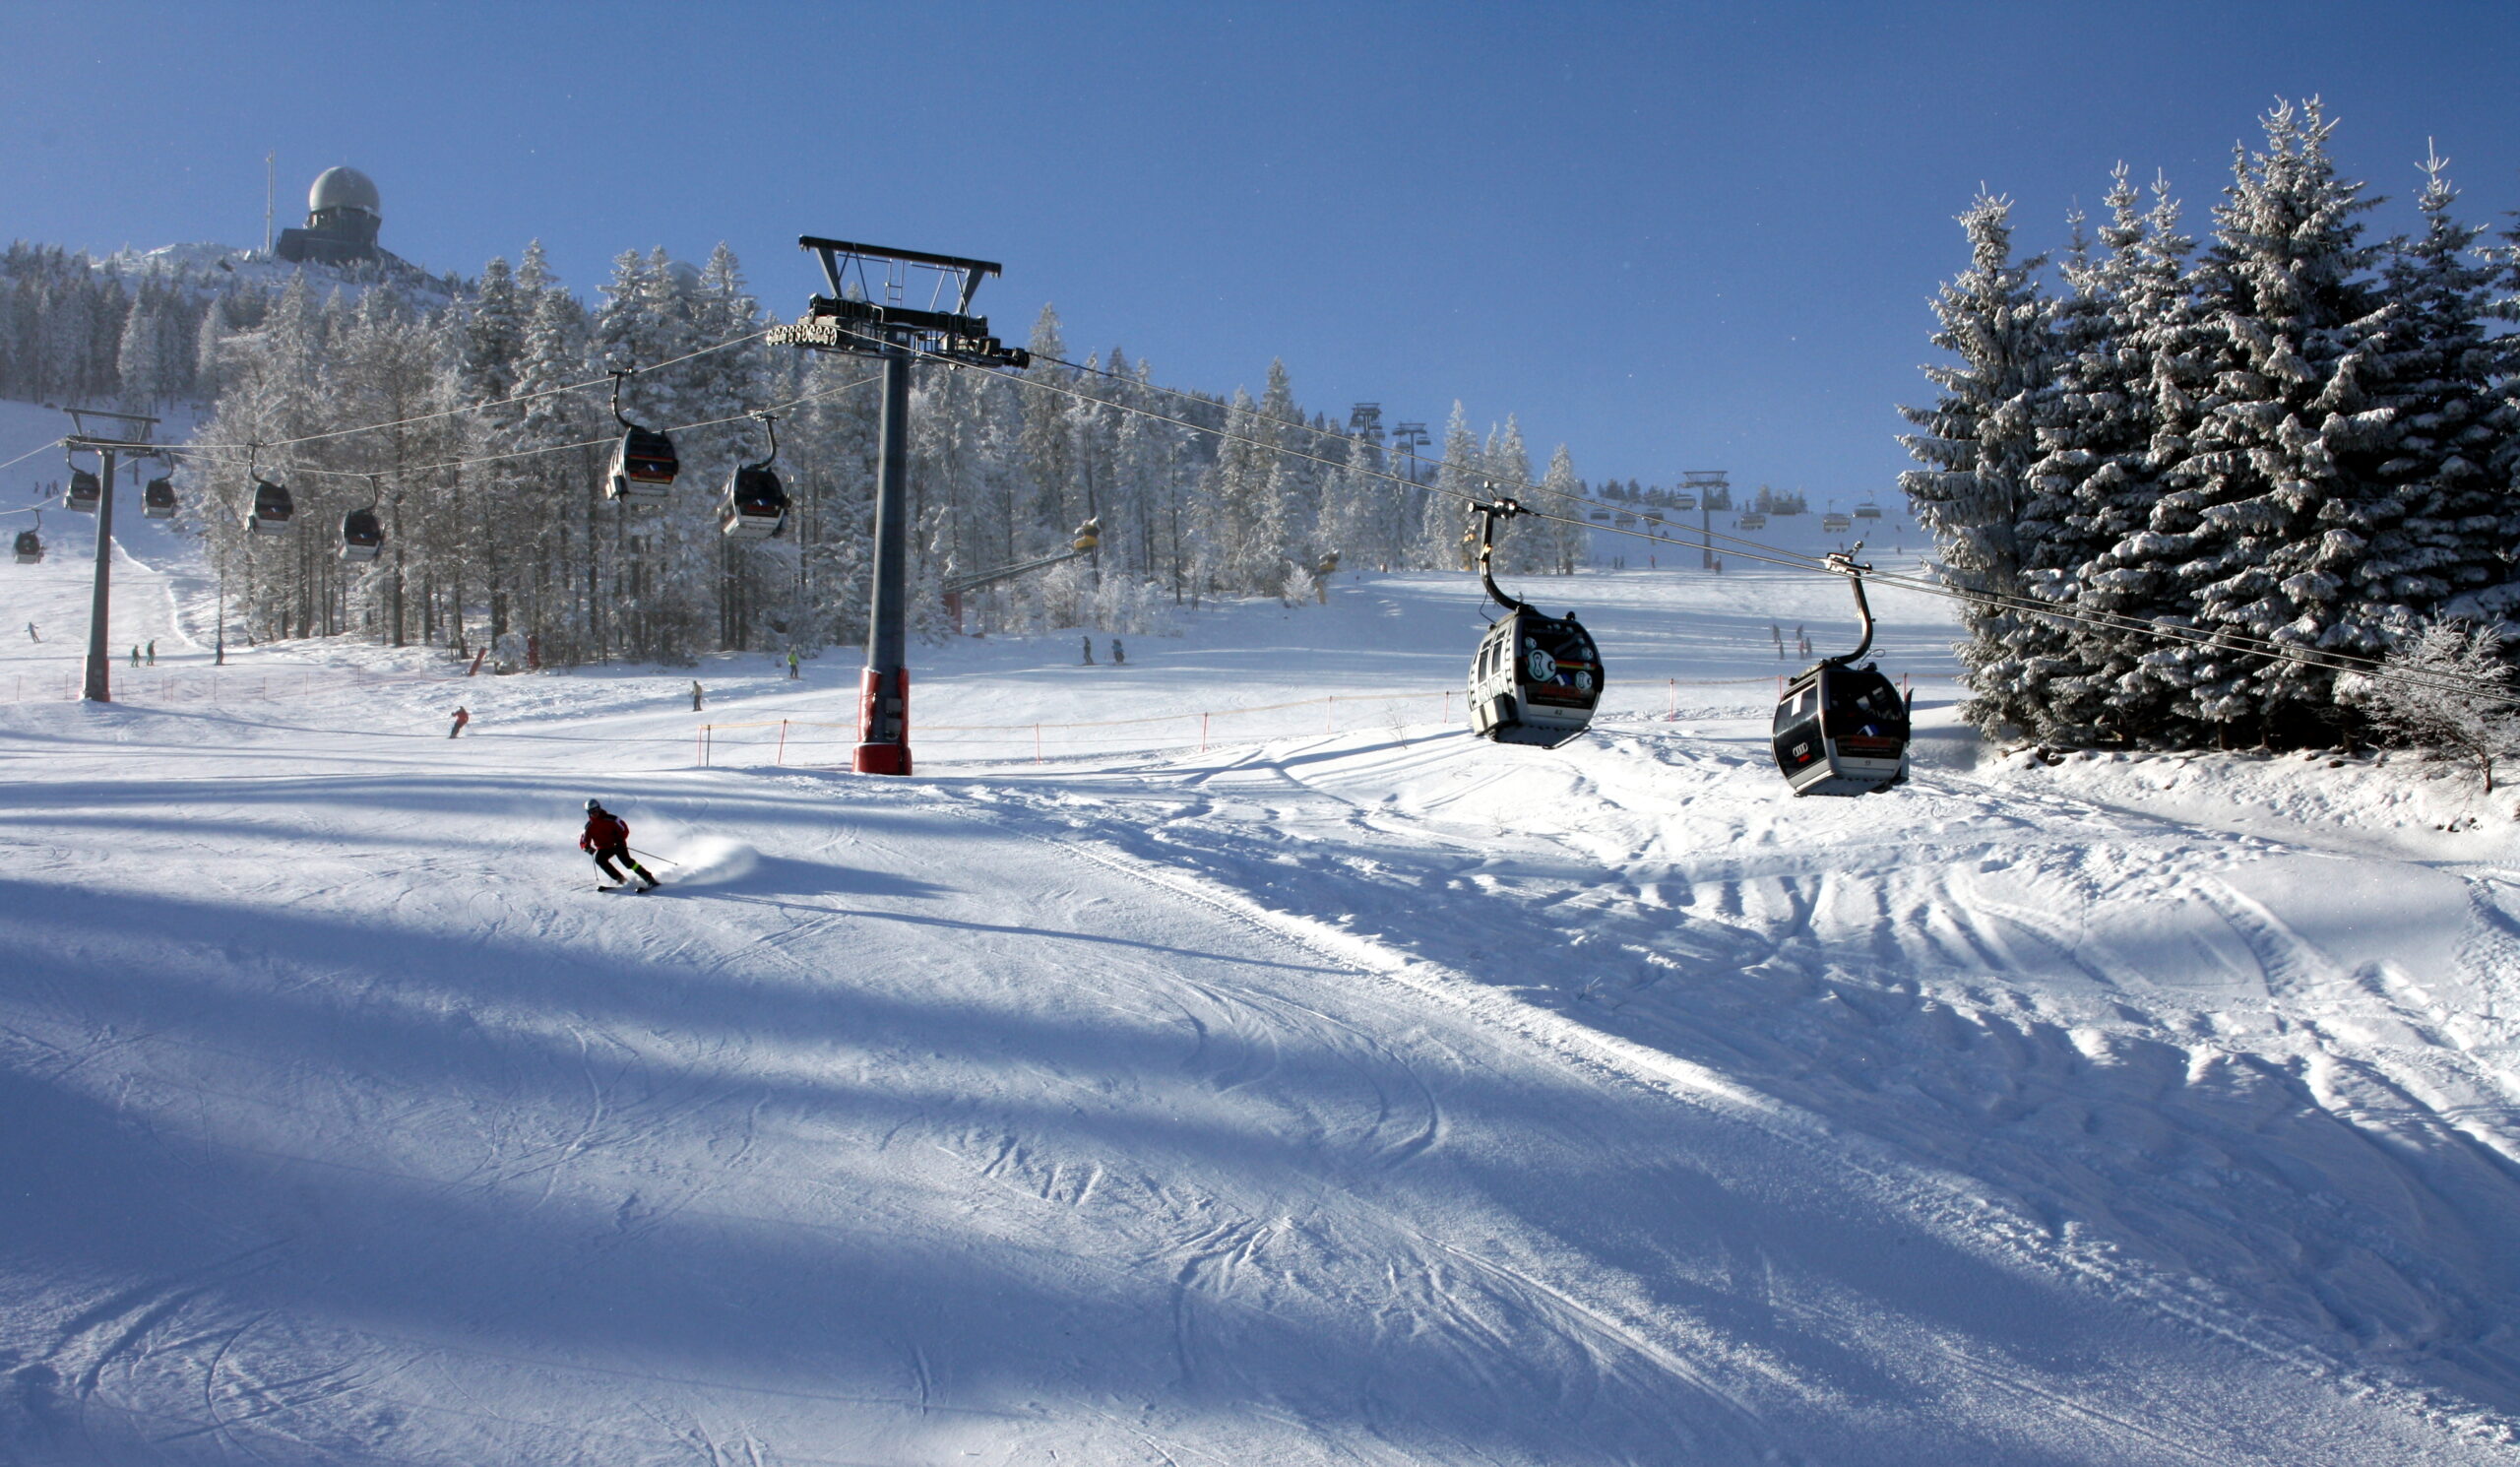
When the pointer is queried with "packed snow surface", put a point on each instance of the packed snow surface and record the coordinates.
(1349, 1091)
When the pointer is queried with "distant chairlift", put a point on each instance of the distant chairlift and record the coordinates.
(1835, 523)
(755, 505)
(1751, 520)
(644, 464)
(1842, 728)
(1684, 501)
(1535, 678)
(1868, 510)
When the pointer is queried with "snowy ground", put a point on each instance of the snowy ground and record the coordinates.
(1349, 1092)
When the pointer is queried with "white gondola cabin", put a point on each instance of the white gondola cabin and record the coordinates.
(86, 491)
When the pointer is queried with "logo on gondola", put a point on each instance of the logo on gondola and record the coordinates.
(1543, 667)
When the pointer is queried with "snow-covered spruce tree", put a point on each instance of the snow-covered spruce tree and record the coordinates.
(1980, 441)
(2446, 692)
(2438, 373)
(2278, 499)
(1462, 478)
(1563, 540)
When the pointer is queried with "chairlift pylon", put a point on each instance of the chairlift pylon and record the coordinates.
(1841, 728)
(755, 504)
(1535, 678)
(644, 464)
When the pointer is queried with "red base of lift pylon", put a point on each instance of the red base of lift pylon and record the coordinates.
(883, 731)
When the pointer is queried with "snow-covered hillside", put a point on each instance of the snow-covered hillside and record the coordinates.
(1349, 1091)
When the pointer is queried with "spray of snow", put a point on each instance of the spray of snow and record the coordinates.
(706, 860)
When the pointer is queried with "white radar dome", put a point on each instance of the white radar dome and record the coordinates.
(342, 188)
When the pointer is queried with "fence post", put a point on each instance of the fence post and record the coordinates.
(782, 757)
(1203, 732)
(1448, 704)
(1329, 713)
(1037, 743)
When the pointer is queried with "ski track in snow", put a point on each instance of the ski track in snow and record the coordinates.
(1373, 1096)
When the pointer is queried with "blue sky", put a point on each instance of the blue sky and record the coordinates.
(1672, 237)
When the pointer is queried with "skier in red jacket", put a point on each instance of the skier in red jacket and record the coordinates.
(607, 840)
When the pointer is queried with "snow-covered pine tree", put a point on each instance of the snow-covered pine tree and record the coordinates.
(1980, 440)
(2436, 371)
(1563, 540)
(2278, 501)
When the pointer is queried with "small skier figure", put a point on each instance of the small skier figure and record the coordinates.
(607, 840)
(697, 697)
(1089, 653)
(152, 652)
(135, 655)
(31, 634)
(1120, 658)
(791, 661)
(463, 716)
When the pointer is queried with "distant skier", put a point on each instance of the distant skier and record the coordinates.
(697, 697)
(152, 652)
(31, 634)
(463, 716)
(791, 662)
(607, 840)
(1089, 653)
(1120, 658)
(135, 654)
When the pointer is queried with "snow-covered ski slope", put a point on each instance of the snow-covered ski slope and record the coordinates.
(1368, 1096)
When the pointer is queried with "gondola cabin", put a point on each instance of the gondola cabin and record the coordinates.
(85, 492)
(1684, 501)
(1601, 516)
(1841, 730)
(644, 466)
(273, 512)
(1835, 523)
(1868, 510)
(363, 535)
(30, 547)
(1751, 520)
(755, 506)
(1535, 679)
(157, 501)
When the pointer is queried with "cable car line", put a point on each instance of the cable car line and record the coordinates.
(536, 396)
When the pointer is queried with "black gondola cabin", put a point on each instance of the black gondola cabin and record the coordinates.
(362, 536)
(157, 501)
(1535, 679)
(86, 491)
(1841, 730)
(644, 466)
(755, 506)
(30, 547)
(273, 509)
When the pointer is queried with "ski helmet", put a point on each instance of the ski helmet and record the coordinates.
(594, 807)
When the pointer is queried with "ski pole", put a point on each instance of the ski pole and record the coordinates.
(652, 855)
